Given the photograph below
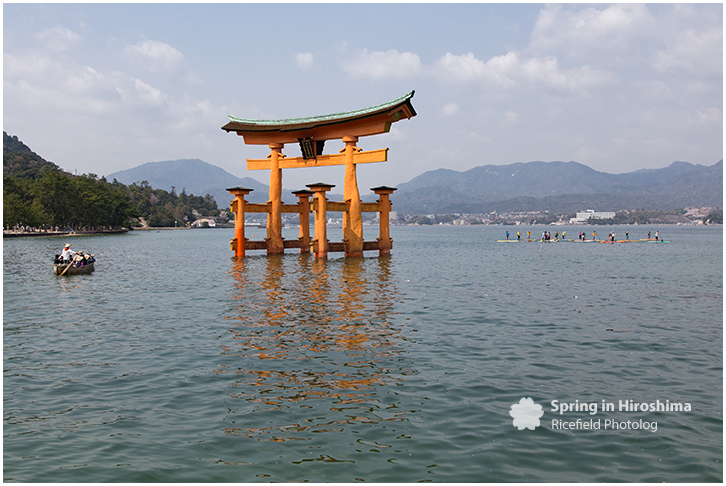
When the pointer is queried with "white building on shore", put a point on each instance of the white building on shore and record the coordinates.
(200, 222)
(585, 216)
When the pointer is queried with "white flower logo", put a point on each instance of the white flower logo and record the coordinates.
(526, 414)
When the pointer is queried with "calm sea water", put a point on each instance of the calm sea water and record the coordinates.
(175, 362)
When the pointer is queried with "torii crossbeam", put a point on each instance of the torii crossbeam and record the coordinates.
(311, 134)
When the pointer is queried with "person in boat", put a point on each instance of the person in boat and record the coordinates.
(67, 254)
(657, 236)
(518, 237)
(648, 234)
(507, 235)
(82, 259)
(627, 235)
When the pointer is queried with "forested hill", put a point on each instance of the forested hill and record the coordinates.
(12, 144)
(37, 193)
(20, 161)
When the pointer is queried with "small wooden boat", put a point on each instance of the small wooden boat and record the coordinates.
(60, 268)
(82, 263)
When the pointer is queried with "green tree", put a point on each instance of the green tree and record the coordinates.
(19, 207)
(54, 195)
(715, 217)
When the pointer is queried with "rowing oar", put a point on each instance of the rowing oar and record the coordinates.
(69, 265)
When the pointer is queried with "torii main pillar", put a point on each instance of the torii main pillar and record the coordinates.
(353, 218)
(275, 244)
(311, 134)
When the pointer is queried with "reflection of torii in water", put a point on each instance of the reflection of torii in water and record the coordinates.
(308, 336)
(311, 134)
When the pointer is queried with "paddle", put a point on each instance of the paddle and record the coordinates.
(69, 265)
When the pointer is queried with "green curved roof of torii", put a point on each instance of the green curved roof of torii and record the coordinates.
(246, 124)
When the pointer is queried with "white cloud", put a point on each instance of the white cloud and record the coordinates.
(65, 88)
(655, 91)
(58, 38)
(673, 38)
(510, 117)
(156, 57)
(711, 115)
(146, 93)
(190, 116)
(547, 73)
(47, 83)
(29, 65)
(581, 31)
(589, 75)
(450, 109)
(83, 80)
(478, 137)
(509, 71)
(382, 65)
(461, 68)
(395, 134)
(692, 51)
(108, 105)
(304, 60)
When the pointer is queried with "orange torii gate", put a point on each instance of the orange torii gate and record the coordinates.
(311, 134)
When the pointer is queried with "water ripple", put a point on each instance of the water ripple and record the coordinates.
(161, 366)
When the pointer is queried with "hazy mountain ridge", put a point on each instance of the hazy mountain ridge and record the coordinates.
(199, 178)
(524, 186)
(560, 187)
(195, 177)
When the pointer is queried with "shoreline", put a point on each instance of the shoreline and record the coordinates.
(27, 234)
(153, 228)
(30, 234)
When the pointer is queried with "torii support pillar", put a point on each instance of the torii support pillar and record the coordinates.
(238, 208)
(304, 203)
(275, 245)
(321, 218)
(384, 239)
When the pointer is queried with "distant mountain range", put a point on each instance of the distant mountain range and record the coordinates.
(199, 178)
(195, 177)
(560, 187)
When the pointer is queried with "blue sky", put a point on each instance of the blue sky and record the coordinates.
(105, 87)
